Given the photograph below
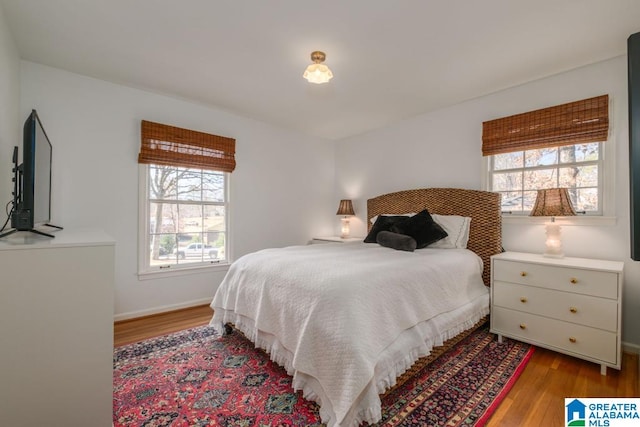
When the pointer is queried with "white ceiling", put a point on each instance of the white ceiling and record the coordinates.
(392, 59)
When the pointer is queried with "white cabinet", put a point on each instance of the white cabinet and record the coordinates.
(56, 329)
(570, 305)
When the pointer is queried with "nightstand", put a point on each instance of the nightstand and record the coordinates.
(333, 239)
(569, 305)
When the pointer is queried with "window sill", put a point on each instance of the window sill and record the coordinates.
(590, 220)
(183, 271)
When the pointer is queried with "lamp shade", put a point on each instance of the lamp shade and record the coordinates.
(553, 202)
(345, 208)
(318, 73)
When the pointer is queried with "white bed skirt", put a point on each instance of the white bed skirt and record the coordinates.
(399, 356)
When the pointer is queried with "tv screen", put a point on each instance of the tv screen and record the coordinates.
(34, 207)
(32, 181)
(41, 175)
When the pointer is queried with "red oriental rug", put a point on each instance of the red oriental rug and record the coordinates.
(197, 378)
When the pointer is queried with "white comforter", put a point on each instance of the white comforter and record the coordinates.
(328, 312)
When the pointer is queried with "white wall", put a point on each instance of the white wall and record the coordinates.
(281, 191)
(442, 149)
(10, 135)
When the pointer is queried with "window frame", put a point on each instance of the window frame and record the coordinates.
(555, 166)
(606, 184)
(145, 269)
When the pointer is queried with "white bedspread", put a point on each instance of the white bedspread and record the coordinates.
(328, 313)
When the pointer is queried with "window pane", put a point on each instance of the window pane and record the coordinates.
(539, 179)
(579, 176)
(213, 187)
(190, 248)
(586, 200)
(507, 181)
(214, 218)
(579, 153)
(541, 157)
(215, 230)
(508, 160)
(512, 201)
(162, 246)
(162, 182)
(163, 217)
(190, 218)
(189, 184)
(217, 241)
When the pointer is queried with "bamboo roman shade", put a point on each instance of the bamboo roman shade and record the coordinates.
(573, 123)
(173, 146)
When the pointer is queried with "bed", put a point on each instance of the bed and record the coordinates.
(345, 320)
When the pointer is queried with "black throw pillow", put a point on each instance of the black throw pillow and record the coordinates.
(383, 223)
(401, 242)
(422, 228)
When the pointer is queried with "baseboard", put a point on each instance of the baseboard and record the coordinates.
(630, 348)
(161, 309)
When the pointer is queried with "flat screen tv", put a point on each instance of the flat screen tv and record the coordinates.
(32, 180)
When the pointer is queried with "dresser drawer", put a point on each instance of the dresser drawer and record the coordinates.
(570, 307)
(588, 282)
(577, 340)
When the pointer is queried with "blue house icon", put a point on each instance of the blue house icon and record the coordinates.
(575, 409)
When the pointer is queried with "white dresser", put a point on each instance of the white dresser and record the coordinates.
(56, 329)
(570, 305)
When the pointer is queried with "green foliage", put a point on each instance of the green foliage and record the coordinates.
(168, 242)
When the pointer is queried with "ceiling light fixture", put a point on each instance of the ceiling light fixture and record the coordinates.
(318, 72)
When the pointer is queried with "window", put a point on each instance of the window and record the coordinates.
(184, 198)
(517, 176)
(186, 219)
(561, 146)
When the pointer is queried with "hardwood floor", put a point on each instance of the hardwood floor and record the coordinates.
(134, 330)
(536, 399)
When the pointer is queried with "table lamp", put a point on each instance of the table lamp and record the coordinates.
(345, 209)
(553, 202)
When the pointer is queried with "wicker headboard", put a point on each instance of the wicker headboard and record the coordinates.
(485, 232)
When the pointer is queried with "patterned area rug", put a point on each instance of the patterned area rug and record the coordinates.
(196, 378)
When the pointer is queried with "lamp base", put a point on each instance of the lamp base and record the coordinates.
(553, 243)
(344, 230)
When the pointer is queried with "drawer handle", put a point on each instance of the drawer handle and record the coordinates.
(523, 300)
(523, 326)
(573, 310)
(573, 280)
(523, 273)
(572, 339)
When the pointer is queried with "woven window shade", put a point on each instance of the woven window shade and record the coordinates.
(172, 146)
(573, 123)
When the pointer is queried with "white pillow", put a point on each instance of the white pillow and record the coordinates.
(457, 228)
(373, 219)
